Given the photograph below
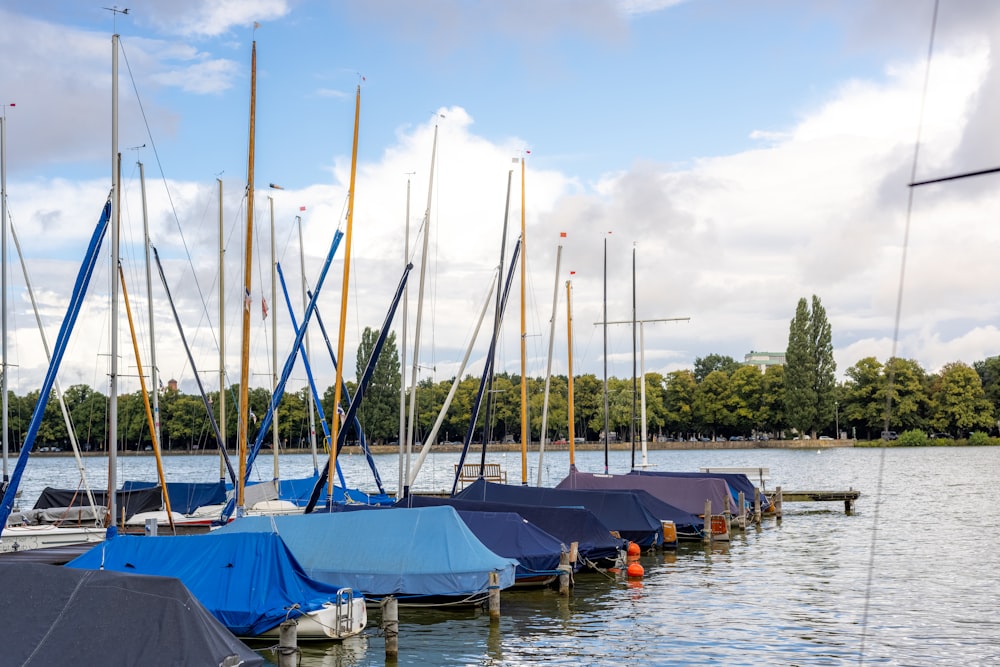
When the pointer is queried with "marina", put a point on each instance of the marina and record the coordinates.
(794, 592)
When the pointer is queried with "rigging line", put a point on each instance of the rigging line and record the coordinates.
(895, 339)
(170, 199)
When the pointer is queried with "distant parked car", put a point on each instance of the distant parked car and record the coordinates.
(889, 435)
(736, 438)
(941, 436)
(825, 437)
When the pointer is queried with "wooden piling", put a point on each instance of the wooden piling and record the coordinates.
(742, 500)
(288, 643)
(777, 503)
(390, 627)
(708, 521)
(494, 596)
(756, 505)
(565, 572)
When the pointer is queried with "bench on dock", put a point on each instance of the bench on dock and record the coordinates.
(492, 472)
(762, 475)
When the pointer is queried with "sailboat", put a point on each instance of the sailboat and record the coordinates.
(23, 535)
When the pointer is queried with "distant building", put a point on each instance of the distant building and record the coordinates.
(764, 359)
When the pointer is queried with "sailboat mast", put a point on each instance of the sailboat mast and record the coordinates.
(153, 370)
(343, 301)
(525, 431)
(222, 341)
(420, 306)
(274, 342)
(404, 470)
(113, 273)
(548, 366)
(604, 322)
(569, 375)
(3, 281)
(305, 340)
(634, 376)
(244, 407)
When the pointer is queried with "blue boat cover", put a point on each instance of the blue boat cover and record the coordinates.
(685, 493)
(595, 543)
(403, 552)
(298, 491)
(505, 534)
(508, 534)
(186, 497)
(737, 481)
(59, 616)
(247, 580)
(621, 512)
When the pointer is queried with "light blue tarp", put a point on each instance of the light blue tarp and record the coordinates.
(427, 551)
(246, 580)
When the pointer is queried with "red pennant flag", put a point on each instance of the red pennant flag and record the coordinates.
(572, 273)
(302, 208)
(562, 235)
(263, 308)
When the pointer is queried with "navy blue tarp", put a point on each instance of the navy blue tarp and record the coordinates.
(129, 503)
(247, 580)
(737, 481)
(186, 497)
(595, 543)
(621, 512)
(684, 493)
(408, 553)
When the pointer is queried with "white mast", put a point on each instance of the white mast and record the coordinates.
(274, 345)
(153, 370)
(548, 366)
(3, 280)
(222, 341)
(420, 306)
(305, 340)
(404, 471)
(113, 274)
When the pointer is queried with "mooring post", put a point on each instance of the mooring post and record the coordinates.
(708, 520)
(494, 596)
(756, 505)
(288, 643)
(743, 510)
(777, 503)
(565, 571)
(390, 627)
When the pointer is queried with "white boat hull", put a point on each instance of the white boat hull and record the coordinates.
(333, 621)
(24, 538)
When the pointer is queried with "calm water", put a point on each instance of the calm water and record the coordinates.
(920, 554)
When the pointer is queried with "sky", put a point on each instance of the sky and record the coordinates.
(739, 155)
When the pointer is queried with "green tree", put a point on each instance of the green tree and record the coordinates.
(678, 401)
(989, 374)
(905, 382)
(714, 362)
(744, 400)
(864, 403)
(772, 405)
(711, 398)
(809, 369)
(379, 410)
(958, 403)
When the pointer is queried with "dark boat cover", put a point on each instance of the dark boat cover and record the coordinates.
(595, 543)
(246, 580)
(408, 553)
(186, 497)
(129, 503)
(737, 481)
(57, 616)
(505, 534)
(684, 493)
(621, 512)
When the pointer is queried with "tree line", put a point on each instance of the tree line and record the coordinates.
(718, 397)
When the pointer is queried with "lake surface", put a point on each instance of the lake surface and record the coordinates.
(910, 579)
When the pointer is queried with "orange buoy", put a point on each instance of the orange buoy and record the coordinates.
(635, 571)
(633, 549)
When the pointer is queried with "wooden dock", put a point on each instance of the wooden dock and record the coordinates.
(847, 497)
